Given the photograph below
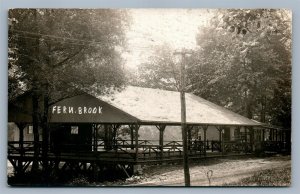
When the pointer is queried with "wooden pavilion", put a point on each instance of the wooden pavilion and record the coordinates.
(76, 125)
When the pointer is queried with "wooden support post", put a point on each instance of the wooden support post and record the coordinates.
(257, 135)
(251, 133)
(221, 139)
(95, 133)
(21, 127)
(251, 130)
(204, 138)
(238, 133)
(161, 129)
(110, 129)
(108, 136)
(189, 136)
(95, 170)
(271, 134)
(35, 126)
(246, 134)
(279, 136)
(136, 127)
(105, 136)
(131, 127)
(114, 135)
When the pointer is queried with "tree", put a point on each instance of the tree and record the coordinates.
(254, 49)
(243, 63)
(56, 53)
(161, 70)
(53, 40)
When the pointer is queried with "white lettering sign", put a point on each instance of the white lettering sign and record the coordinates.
(81, 110)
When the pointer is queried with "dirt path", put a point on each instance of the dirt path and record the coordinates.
(223, 171)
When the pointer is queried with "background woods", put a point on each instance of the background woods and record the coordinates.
(243, 62)
(81, 48)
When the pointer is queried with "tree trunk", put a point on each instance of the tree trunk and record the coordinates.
(263, 110)
(35, 108)
(35, 126)
(249, 110)
(45, 135)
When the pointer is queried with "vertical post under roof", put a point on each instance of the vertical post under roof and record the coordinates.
(136, 127)
(161, 129)
(251, 130)
(95, 132)
(220, 129)
(204, 127)
(131, 127)
(115, 128)
(189, 136)
(21, 127)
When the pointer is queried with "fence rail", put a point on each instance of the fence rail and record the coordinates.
(125, 150)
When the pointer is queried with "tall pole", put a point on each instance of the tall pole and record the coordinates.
(183, 119)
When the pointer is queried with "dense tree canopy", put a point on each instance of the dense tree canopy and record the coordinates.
(162, 71)
(243, 63)
(65, 49)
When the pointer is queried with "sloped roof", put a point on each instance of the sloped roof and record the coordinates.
(131, 105)
(162, 106)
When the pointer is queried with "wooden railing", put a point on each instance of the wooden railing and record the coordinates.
(237, 147)
(27, 148)
(124, 150)
(275, 146)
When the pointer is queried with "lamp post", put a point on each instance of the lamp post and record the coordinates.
(183, 117)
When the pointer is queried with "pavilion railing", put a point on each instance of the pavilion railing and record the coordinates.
(125, 150)
(237, 147)
(24, 149)
(275, 146)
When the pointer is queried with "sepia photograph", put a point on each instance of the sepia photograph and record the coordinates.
(149, 97)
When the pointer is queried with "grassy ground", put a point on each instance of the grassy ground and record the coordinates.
(270, 177)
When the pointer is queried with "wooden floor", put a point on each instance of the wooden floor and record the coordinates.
(118, 157)
(121, 156)
(125, 153)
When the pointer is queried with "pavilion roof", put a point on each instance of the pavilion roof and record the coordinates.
(162, 106)
(132, 105)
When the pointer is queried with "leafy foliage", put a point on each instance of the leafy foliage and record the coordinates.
(257, 49)
(243, 63)
(66, 49)
(161, 72)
